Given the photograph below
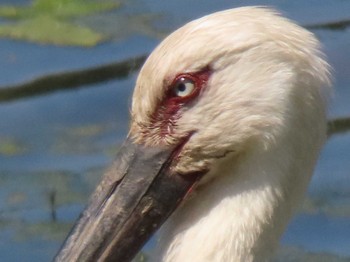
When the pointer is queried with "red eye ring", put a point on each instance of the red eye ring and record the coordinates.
(183, 87)
(187, 86)
(168, 110)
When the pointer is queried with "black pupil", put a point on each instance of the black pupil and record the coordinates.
(181, 87)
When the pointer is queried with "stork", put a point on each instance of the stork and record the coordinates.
(227, 120)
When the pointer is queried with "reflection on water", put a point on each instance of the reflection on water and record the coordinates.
(54, 148)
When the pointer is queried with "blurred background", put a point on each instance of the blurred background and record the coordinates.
(55, 144)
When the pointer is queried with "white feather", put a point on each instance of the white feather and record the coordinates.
(260, 124)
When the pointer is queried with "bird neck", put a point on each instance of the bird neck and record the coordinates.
(241, 214)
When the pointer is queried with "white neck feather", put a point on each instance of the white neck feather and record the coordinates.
(241, 214)
(265, 101)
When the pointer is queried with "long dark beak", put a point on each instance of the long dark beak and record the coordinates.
(132, 201)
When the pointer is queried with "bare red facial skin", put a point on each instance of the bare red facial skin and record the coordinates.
(166, 113)
(199, 78)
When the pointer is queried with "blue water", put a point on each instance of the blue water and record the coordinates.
(60, 157)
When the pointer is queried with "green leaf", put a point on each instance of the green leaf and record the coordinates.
(9, 11)
(72, 8)
(48, 21)
(48, 30)
(11, 147)
(57, 8)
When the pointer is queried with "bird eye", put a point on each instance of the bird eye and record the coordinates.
(183, 87)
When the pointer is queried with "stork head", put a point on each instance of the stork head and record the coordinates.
(228, 82)
(222, 86)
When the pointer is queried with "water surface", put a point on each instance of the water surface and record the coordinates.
(65, 140)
